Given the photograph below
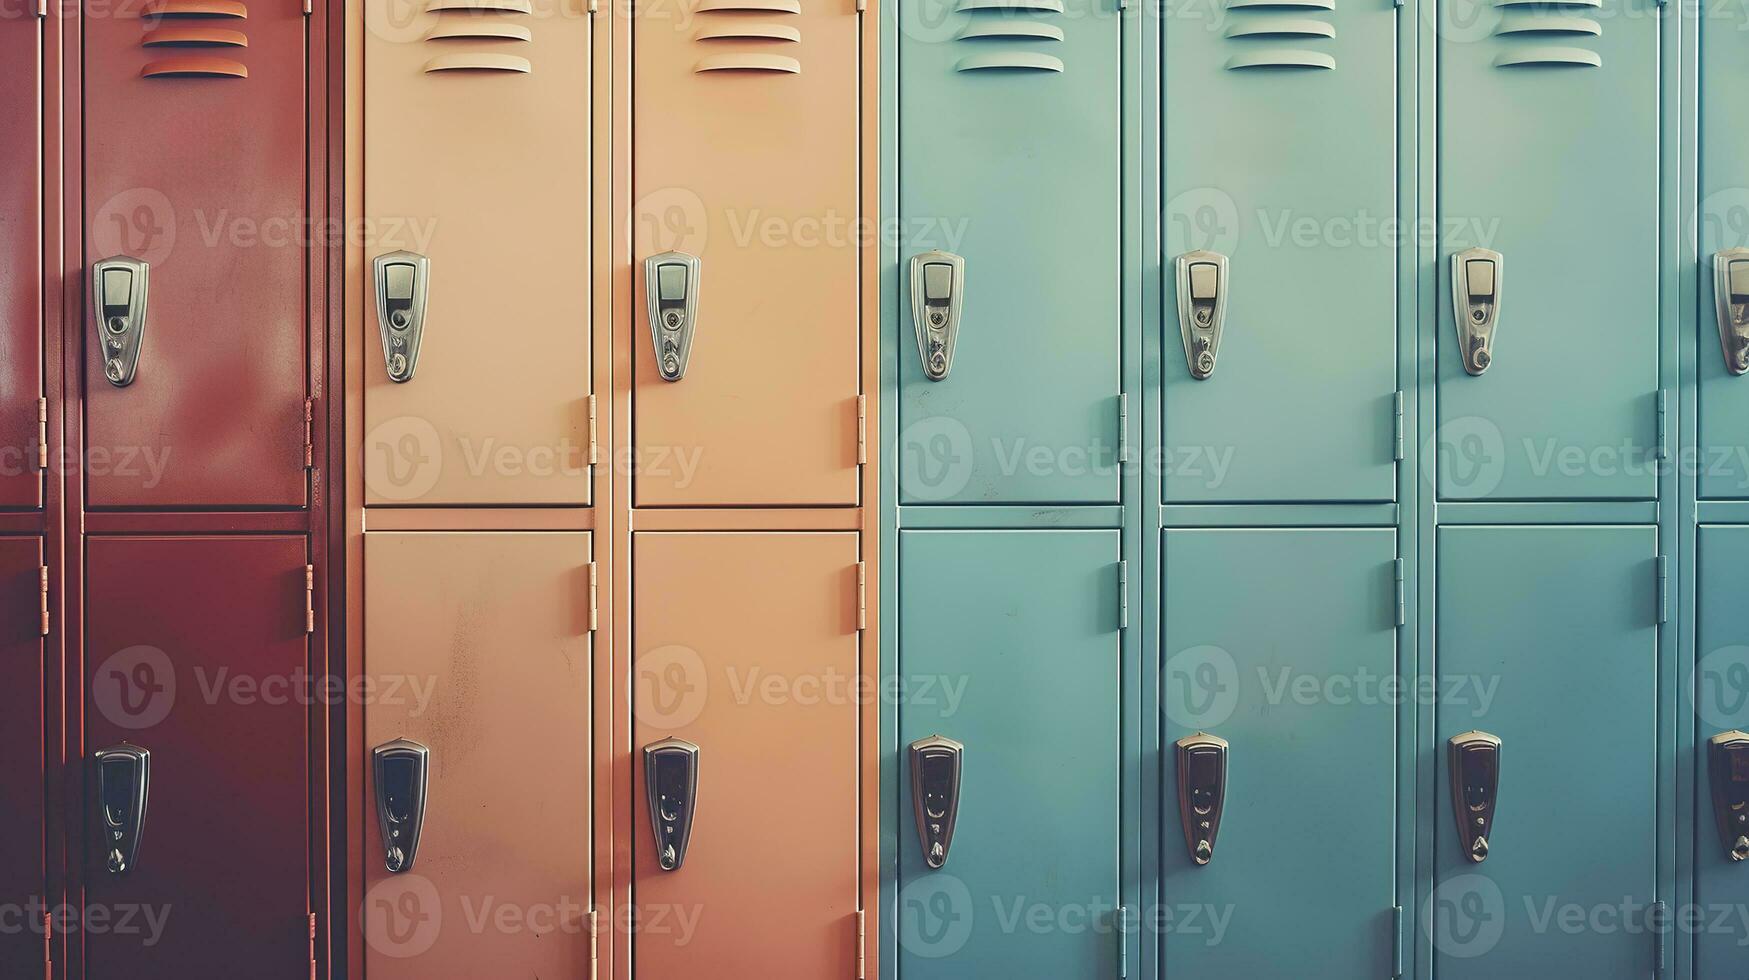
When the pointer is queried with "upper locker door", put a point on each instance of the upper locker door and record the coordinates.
(1010, 647)
(22, 878)
(1281, 156)
(195, 147)
(1548, 161)
(196, 654)
(21, 268)
(477, 159)
(1547, 641)
(1300, 697)
(1010, 150)
(1723, 461)
(479, 647)
(746, 156)
(744, 676)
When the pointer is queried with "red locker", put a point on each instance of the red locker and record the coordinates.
(21, 272)
(21, 757)
(196, 652)
(195, 163)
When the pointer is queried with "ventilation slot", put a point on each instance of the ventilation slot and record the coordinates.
(479, 32)
(1553, 24)
(194, 8)
(1265, 5)
(194, 66)
(174, 24)
(1019, 30)
(1280, 59)
(750, 32)
(1286, 27)
(492, 22)
(479, 6)
(989, 22)
(730, 23)
(1012, 61)
(751, 6)
(1263, 33)
(1522, 21)
(192, 36)
(1551, 57)
(479, 62)
(749, 62)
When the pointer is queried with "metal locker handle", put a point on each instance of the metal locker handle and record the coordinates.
(118, 304)
(401, 770)
(124, 783)
(1473, 759)
(1202, 792)
(1728, 772)
(1202, 308)
(403, 285)
(936, 766)
(938, 299)
(671, 786)
(1731, 289)
(671, 287)
(1475, 296)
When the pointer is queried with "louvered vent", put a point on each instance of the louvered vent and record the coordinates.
(194, 39)
(479, 35)
(994, 27)
(752, 23)
(1277, 34)
(1546, 33)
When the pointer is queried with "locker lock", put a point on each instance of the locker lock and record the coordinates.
(1475, 296)
(1731, 288)
(401, 770)
(671, 790)
(671, 285)
(1202, 308)
(124, 783)
(938, 297)
(403, 281)
(1728, 772)
(118, 302)
(1473, 760)
(1202, 792)
(935, 794)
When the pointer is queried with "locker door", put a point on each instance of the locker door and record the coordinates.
(1547, 639)
(1291, 174)
(746, 154)
(477, 156)
(1301, 697)
(1009, 645)
(744, 645)
(21, 756)
(479, 643)
(1548, 155)
(196, 653)
(1009, 127)
(195, 163)
(21, 269)
(1723, 463)
(1721, 702)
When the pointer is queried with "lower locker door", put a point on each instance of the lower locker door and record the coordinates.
(195, 652)
(1282, 642)
(21, 758)
(1548, 640)
(1721, 701)
(1009, 646)
(746, 647)
(478, 645)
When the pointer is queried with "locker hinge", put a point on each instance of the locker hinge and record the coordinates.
(1396, 941)
(1663, 589)
(1123, 429)
(862, 595)
(861, 429)
(1397, 424)
(1123, 594)
(594, 435)
(1402, 611)
(594, 600)
(1121, 930)
(594, 944)
(43, 580)
(309, 433)
(1663, 411)
(309, 7)
(42, 433)
(595, 6)
(861, 5)
(861, 945)
(42, 8)
(312, 946)
(309, 598)
(48, 946)
(1660, 938)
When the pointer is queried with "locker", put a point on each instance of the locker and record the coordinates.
(21, 269)
(745, 741)
(194, 164)
(1026, 625)
(1008, 122)
(480, 648)
(1297, 401)
(1302, 698)
(477, 159)
(21, 760)
(1722, 464)
(1561, 622)
(1722, 947)
(746, 157)
(196, 654)
(1548, 135)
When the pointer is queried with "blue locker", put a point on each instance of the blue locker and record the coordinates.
(1722, 231)
(1721, 703)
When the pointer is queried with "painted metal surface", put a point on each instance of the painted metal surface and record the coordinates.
(1548, 639)
(21, 268)
(1009, 644)
(196, 651)
(1009, 117)
(746, 645)
(1721, 704)
(1548, 141)
(746, 154)
(485, 171)
(486, 637)
(1722, 460)
(1297, 679)
(1302, 407)
(22, 873)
